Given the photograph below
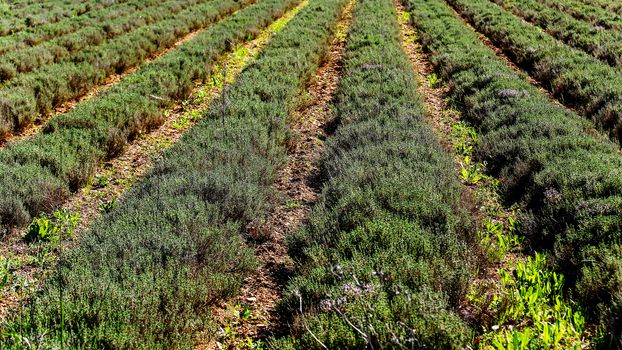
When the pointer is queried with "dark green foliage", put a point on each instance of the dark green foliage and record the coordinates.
(384, 247)
(612, 7)
(23, 15)
(594, 88)
(69, 47)
(56, 83)
(603, 18)
(567, 176)
(147, 273)
(605, 45)
(64, 156)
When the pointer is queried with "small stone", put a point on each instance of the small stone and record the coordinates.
(251, 299)
(513, 93)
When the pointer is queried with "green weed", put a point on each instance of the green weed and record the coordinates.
(531, 312)
(187, 119)
(101, 181)
(42, 230)
(464, 137)
(472, 173)
(52, 230)
(433, 79)
(106, 207)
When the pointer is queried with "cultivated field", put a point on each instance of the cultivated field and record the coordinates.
(310, 174)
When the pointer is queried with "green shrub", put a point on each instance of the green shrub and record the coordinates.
(381, 262)
(147, 273)
(548, 159)
(52, 230)
(42, 230)
(592, 87)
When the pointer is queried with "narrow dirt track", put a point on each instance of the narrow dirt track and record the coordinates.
(434, 98)
(111, 80)
(262, 290)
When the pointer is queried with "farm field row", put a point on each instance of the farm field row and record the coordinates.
(566, 176)
(605, 45)
(70, 47)
(384, 250)
(62, 158)
(199, 256)
(593, 14)
(576, 78)
(29, 95)
(456, 204)
(604, 4)
(39, 34)
(18, 16)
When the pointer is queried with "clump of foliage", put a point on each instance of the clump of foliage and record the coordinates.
(530, 311)
(589, 85)
(147, 273)
(52, 230)
(381, 263)
(548, 159)
(39, 173)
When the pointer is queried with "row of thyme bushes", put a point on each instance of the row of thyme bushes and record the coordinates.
(17, 17)
(39, 34)
(70, 46)
(38, 173)
(608, 5)
(605, 45)
(146, 275)
(583, 10)
(39, 92)
(383, 261)
(567, 176)
(584, 82)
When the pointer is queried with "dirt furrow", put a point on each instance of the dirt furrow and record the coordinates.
(262, 290)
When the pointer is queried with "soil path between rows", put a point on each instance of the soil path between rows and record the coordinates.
(297, 185)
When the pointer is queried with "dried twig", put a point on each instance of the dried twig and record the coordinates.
(305, 323)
